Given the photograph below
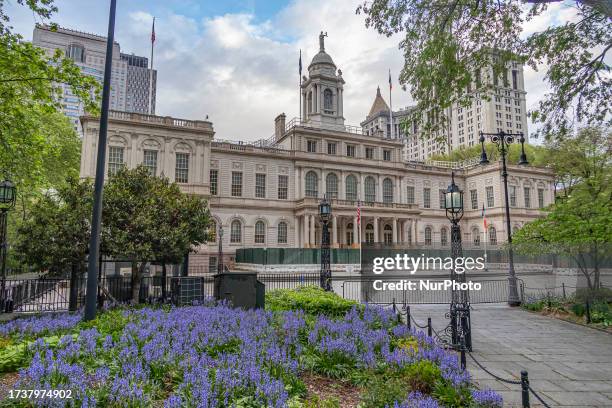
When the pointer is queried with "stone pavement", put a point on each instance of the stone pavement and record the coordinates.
(568, 365)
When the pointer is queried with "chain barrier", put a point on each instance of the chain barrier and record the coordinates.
(483, 368)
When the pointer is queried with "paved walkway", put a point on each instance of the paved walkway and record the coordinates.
(568, 365)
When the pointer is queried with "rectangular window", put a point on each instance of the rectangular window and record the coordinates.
(512, 193)
(527, 194)
(369, 152)
(427, 197)
(236, 184)
(410, 195)
(115, 159)
(181, 174)
(474, 199)
(331, 148)
(350, 150)
(312, 146)
(387, 155)
(212, 264)
(540, 197)
(490, 196)
(150, 161)
(283, 187)
(442, 198)
(214, 182)
(260, 185)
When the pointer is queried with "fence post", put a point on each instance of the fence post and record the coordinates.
(588, 311)
(462, 345)
(548, 299)
(563, 286)
(525, 389)
(429, 328)
(408, 317)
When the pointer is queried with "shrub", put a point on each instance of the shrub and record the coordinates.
(383, 391)
(311, 299)
(578, 309)
(423, 375)
(598, 295)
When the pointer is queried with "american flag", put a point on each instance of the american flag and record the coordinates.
(390, 82)
(484, 217)
(358, 213)
(153, 31)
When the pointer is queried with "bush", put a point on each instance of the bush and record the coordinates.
(578, 309)
(598, 295)
(312, 300)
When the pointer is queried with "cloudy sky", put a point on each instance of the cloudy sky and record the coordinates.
(236, 60)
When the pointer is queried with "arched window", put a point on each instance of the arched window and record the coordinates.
(427, 235)
(328, 100)
(331, 184)
(236, 232)
(282, 232)
(444, 236)
(349, 234)
(387, 191)
(370, 189)
(351, 188)
(388, 234)
(476, 236)
(212, 231)
(492, 236)
(369, 234)
(312, 184)
(260, 232)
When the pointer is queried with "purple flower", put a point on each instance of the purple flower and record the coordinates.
(487, 398)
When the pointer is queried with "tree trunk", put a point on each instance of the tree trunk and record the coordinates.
(136, 278)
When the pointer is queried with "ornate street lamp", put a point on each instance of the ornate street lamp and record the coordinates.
(503, 140)
(220, 261)
(325, 211)
(8, 194)
(460, 324)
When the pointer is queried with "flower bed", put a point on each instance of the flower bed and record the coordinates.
(217, 356)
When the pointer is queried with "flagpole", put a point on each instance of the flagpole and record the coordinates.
(300, 90)
(391, 132)
(151, 71)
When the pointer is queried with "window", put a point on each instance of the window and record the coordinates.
(369, 152)
(150, 161)
(331, 185)
(370, 189)
(540, 197)
(444, 236)
(369, 234)
(349, 234)
(312, 182)
(387, 155)
(492, 236)
(115, 159)
(181, 174)
(283, 187)
(387, 190)
(260, 232)
(512, 193)
(236, 232)
(260, 185)
(351, 188)
(474, 199)
(212, 264)
(350, 150)
(214, 182)
(476, 237)
(490, 197)
(328, 100)
(282, 232)
(427, 235)
(427, 197)
(76, 53)
(410, 194)
(311, 146)
(442, 198)
(527, 193)
(388, 234)
(236, 184)
(331, 148)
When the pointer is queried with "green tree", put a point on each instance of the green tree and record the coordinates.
(448, 46)
(145, 218)
(537, 155)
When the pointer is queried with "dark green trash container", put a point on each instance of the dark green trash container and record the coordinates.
(241, 289)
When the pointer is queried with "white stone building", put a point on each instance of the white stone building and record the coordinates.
(266, 194)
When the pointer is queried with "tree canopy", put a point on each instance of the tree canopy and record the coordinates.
(448, 46)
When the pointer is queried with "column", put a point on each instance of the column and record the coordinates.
(395, 235)
(415, 234)
(341, 189)
(335, 231)
(319, 110)
(312, 231)
(376, 238)
(296, 232)
(355, 231)
(406, 226)
(306, 239)
(378, 189)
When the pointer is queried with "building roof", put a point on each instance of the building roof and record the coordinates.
(379, 104)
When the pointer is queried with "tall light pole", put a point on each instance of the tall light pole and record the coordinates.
(503, 141)
(325, 210)
(94, 241)
(7, 202)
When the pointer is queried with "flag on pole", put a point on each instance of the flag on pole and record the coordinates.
(484, 217)
(390, 82)
(153, 31)
(300, 64)
(358, 213)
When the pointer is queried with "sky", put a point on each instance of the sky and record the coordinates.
(237, 60)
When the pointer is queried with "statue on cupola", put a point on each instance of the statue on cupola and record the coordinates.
(322, 91)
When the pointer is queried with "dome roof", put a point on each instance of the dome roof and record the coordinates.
(322, 58)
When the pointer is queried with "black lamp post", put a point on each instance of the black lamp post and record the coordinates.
(325, 211)
(503, 140)
(7, 201)
(220, 262)
(460, 302)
